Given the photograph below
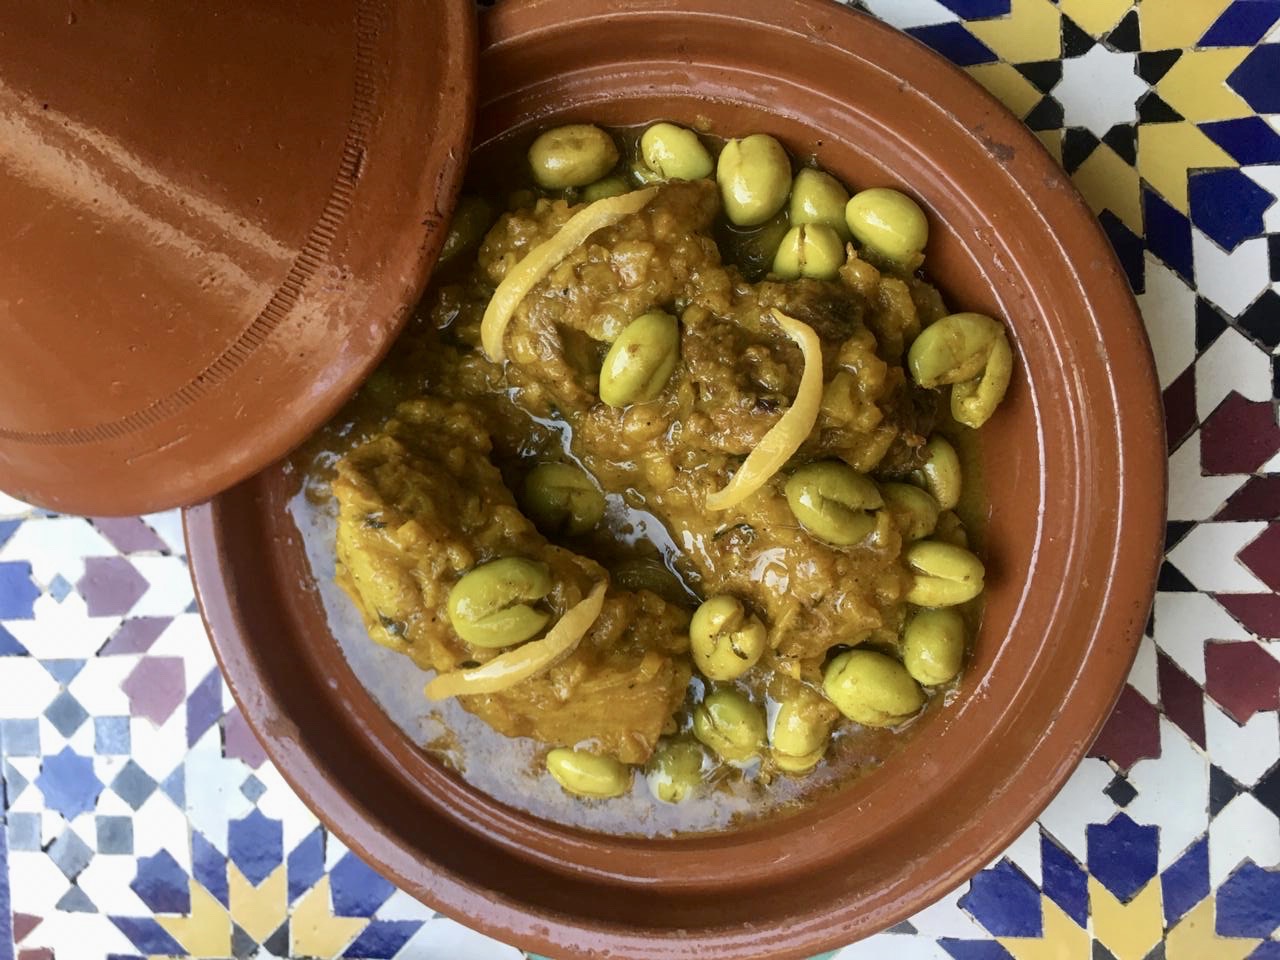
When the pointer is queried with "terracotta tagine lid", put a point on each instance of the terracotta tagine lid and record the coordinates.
(213, 219)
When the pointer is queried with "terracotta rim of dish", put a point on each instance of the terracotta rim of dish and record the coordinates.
(1086, 486)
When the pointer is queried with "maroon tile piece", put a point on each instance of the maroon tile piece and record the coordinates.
(136, 635)
(1242, 677)
(129, 534)
(1258, 499)
(23, 924)
(1132, 733)
(155, 688)
(1262, 556)
(1181, 698)
(239, 741)
(1258, 612)
(110, 586)
(36, 953)
(1180, 407)
(1239, 437)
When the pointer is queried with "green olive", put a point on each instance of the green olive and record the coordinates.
(489, 606)
(675, 772)
(818, 197)
(730, 725)
(888, 223)
(641, 360)
(754, 175)
(588, 774)
(871, 689)
(800, 733)
(915, 511)
(725, 641)
(561, 498)
(833, 501)
(945, 574)
(974, 401)
(810, 250)
(572, 156)
(933, 646)
(950, 529)
(608, 187)
(940, 474)
(675, 153)
(471, 220)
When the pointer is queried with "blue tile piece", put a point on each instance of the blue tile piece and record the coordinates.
(70, 854)
(66, 714)
(306, 864)
(64, 671)
(1227, 205)
(175, 786)
(1129, 250)
(149, 937)
(9, 645)
(17, 592)
(357, 890)
(204, 706)
(382, 939)
(133, 785)
(59, 587)
(1186, 882)
(161, 884)
(114, 834)
(1168, 234)
(7, 527)
(1267, 950)
(24, 831)
(256, 845)
(1242, 24)
(111, 736)
(209, 867)
(974, 949)
(1004, 901)
(1122, 855)
(1247, 139)
(955, 43)
(1255, 78)
(14, 782)
(69, 784)
(20, 737)
(75, 900)
(1064, 881)
(1249, 903)
(978, 9)
(6, 926)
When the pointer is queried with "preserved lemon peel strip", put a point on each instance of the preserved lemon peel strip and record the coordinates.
(778, 445)
(545, 257)
(530, 659)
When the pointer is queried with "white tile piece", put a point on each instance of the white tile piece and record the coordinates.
(334, 850)
(42, 883)
(97, 686)
(213, 791)
(1244, 828)
(1232, 364)
(185, 637)
(157, 749)
(62, 630)
(1231, 280)
(1100, 89)
(1185, 621)
(1024, 852)
(25, 687)
(159, 825)
(905, 14)
(401, 906)
(1080, 803)
(945, 918)
(1246, 752)
(82, 936)
(1191, 495)
(1171, 792)
(168, 525)
(1267, 176)
(56, 545)
(897, 946)
(1169, 313)
(10, 507)
(1208, 556)
(443, 939)
(106, 881)
(1143, 677)
(170, 590)
(279, 802)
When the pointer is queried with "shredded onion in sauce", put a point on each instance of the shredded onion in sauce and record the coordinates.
(530, 659)
(544, 258)
(778, 445)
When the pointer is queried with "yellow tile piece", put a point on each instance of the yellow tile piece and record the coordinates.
(1167, 150)
(1009, 86)
(1031, 31)
(1096, 17)
(313, 929)
(1052, 140)
(262, 909)
(1196, 86)
(206, 930)
(1108, 183)
(1129, 930)
(1062, 939)
(1176, 23)
(1194, 937)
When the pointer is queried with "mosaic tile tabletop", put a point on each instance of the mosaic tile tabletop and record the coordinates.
(141, 818)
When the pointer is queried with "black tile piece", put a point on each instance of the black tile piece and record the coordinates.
(1123, 139)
